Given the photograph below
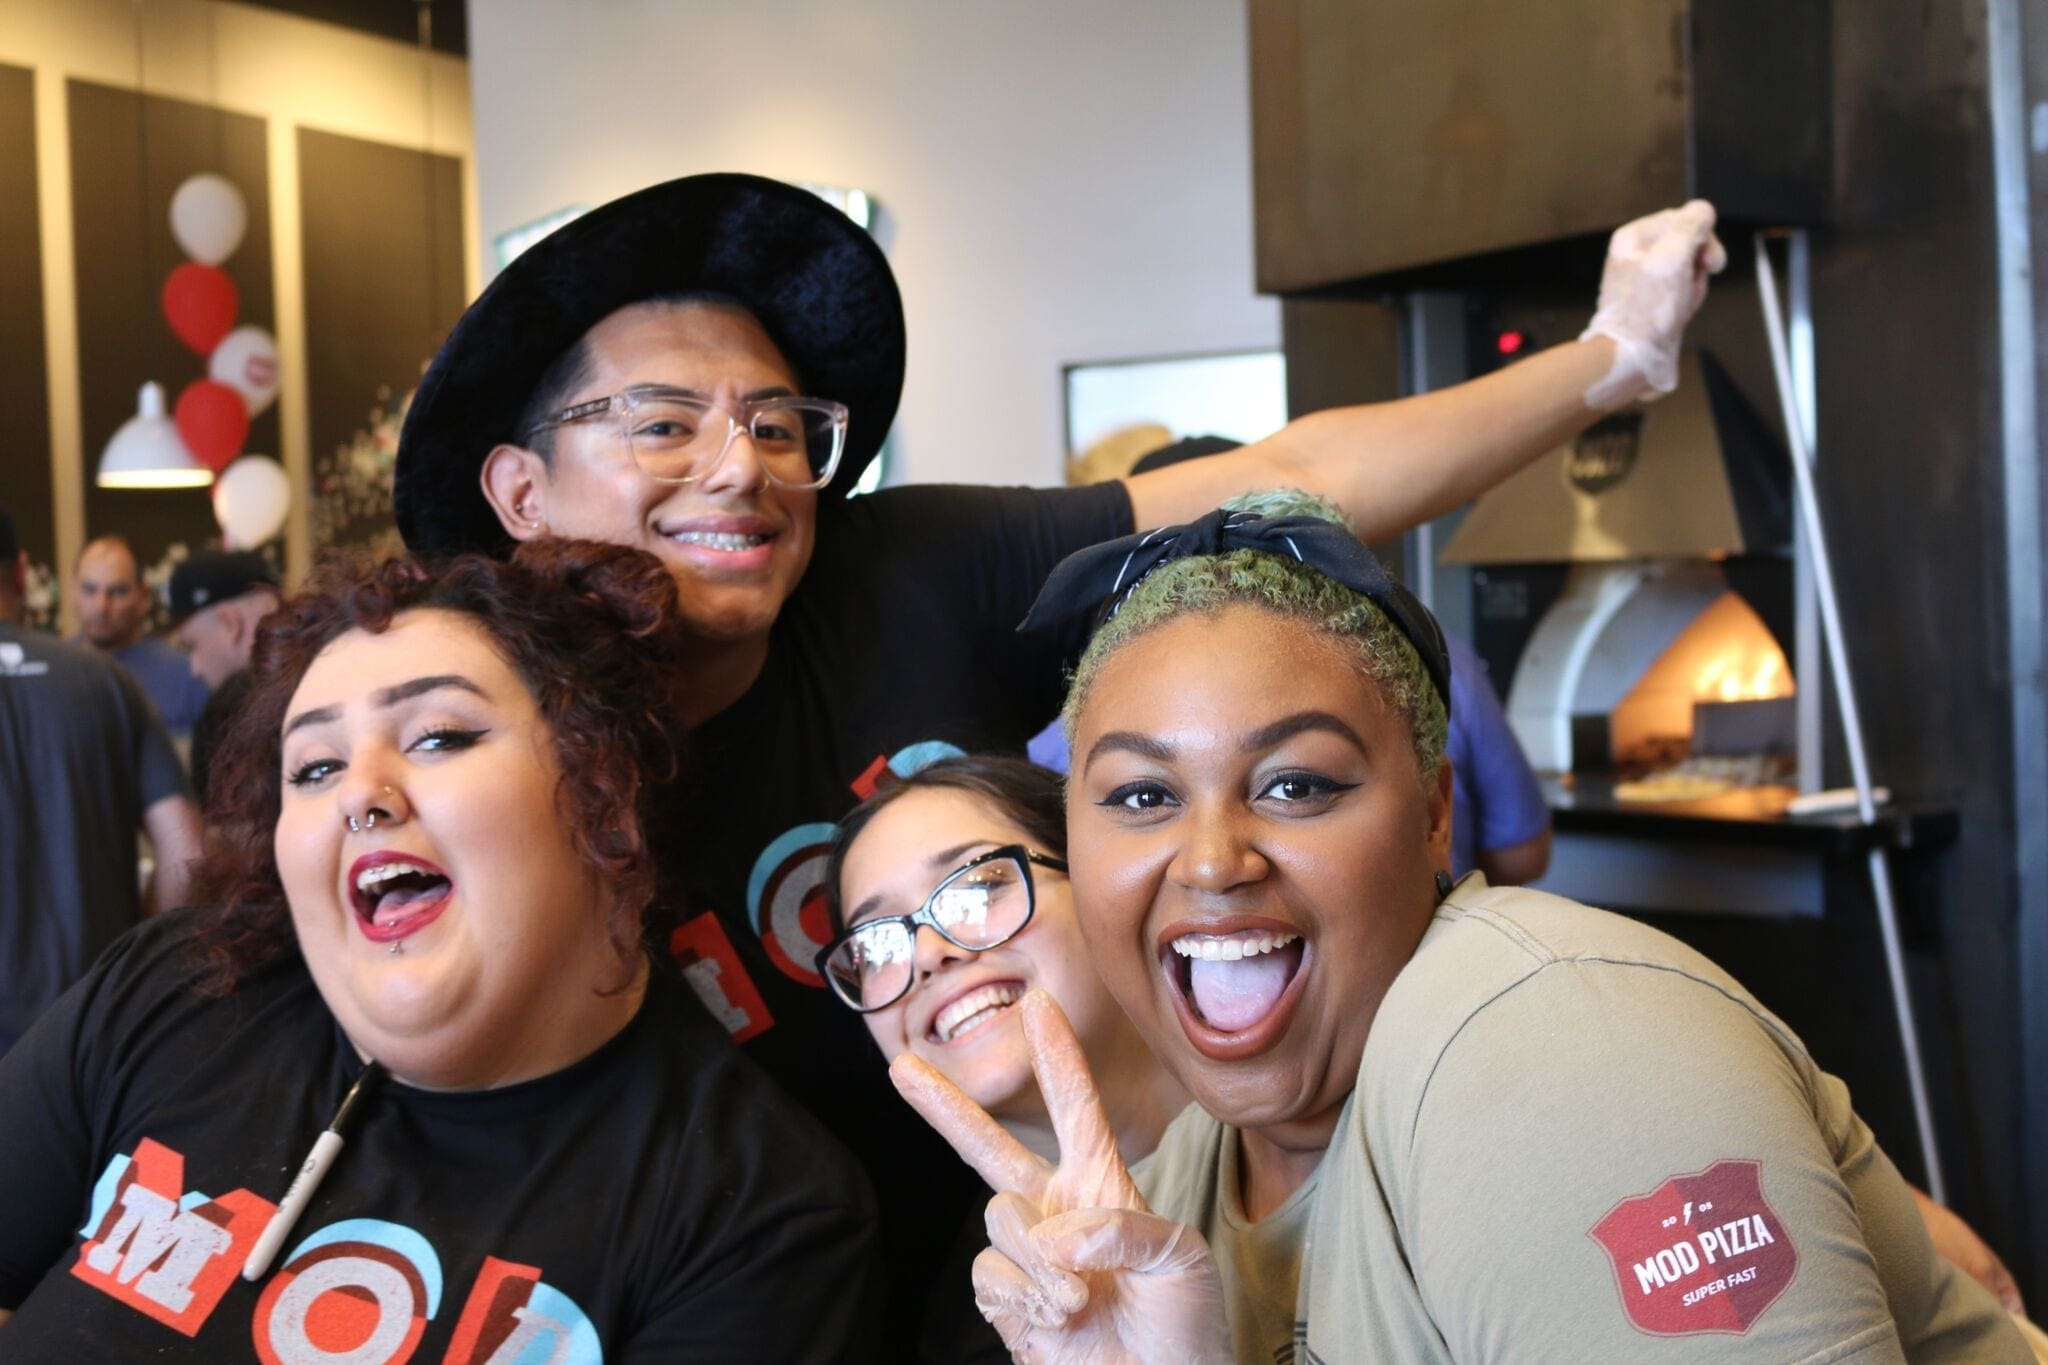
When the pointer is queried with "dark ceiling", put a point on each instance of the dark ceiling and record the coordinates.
(395, 19)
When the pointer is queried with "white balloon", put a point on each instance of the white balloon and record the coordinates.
(250, 500)
(246, 361)
(208, 218)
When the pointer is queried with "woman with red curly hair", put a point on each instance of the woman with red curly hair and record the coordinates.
(433, 890)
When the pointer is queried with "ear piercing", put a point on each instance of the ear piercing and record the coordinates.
(1443, 883)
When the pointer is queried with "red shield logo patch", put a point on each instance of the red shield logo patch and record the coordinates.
(1700, 1253)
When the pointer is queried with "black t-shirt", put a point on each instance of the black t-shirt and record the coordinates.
(83, 755)
(900, 644)
(227, 702)
(658, 1200)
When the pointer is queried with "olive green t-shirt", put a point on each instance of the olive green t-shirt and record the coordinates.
(1573, 1138)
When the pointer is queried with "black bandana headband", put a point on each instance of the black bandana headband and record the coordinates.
(1102, 576)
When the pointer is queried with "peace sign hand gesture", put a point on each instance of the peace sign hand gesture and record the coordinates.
(1078, 1269)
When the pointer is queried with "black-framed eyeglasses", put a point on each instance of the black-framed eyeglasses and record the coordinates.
(981, 904)
(677, 436)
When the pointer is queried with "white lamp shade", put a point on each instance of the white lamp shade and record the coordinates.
(147, 451)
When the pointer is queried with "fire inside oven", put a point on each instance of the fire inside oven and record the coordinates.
(1661, 675)
(1645, 580)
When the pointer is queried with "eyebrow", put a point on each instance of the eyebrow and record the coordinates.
(1129, 742)
(1265, 737)
(681, 391)
(941, 861)
(1301, 722)
(389, 696)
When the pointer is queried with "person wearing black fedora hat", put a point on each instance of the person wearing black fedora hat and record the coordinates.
(696, 368)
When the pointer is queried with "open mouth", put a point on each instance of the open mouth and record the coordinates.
(1235, 991)
(977, 1007)
(395, 895)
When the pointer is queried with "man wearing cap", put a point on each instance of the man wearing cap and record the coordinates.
(217, 597)
(84, 764)
(698, 369)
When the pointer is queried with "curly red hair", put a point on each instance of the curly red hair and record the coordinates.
(594, 631)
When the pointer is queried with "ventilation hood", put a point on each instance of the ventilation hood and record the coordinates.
(1421, 143)
(1696, 475)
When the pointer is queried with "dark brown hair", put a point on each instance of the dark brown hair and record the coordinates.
(1028, 796)
(570, 370)
(594, 631)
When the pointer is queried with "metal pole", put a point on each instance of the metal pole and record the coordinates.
(2006, 64)
(1852, 722)
(1806, 662)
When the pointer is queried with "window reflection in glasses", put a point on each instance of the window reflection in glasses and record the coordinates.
(981, 904)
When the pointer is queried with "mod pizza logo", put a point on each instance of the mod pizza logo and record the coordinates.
(161, 1250)
(1700, 1253)
(786, 888)
(361, 1290)
(712, 967)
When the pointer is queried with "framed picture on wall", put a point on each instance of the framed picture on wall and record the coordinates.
(1119, 410)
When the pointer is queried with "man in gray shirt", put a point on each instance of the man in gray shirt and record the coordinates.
(84, 763)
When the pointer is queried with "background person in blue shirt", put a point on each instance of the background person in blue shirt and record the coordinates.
(113, 617)
(1500, 822)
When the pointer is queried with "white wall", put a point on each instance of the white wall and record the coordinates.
(1061, 180)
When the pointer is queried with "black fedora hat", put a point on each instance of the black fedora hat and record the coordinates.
(815, 279)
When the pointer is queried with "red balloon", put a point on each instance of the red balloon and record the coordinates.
(214, 421)
(200, 303)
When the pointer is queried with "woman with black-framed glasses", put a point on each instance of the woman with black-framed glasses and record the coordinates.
(982, 904)
(949, 899)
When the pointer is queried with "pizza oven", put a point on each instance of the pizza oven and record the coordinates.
(1653, 560)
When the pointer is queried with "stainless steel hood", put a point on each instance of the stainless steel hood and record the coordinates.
(1696, 475)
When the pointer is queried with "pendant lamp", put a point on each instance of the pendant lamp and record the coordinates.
(147, 451)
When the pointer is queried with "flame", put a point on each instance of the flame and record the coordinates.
(1725, 654)
(1748, 669)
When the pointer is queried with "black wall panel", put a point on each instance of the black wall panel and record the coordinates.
(25, 486)
(381, 232)
(129, 154)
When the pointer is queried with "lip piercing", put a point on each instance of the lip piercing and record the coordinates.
(397, 947)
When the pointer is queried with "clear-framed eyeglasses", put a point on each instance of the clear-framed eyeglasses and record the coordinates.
(677, 436)
(982, 904)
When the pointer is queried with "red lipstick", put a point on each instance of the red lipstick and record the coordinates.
(406, 894)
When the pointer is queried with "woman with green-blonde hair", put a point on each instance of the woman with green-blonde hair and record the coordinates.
(1431, 1122)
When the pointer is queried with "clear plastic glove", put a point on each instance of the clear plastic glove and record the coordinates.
(1077, 1268)
(1654, 281)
